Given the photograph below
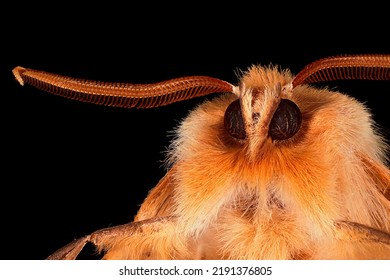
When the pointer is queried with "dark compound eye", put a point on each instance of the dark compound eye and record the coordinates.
(233, 121)
(286, 121)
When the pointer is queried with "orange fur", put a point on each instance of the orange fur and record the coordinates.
(264, 199)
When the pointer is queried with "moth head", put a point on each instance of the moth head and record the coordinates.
(264, 110)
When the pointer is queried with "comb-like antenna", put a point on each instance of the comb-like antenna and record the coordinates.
(122, 94)
(345, 67)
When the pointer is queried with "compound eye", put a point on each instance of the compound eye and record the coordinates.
(286, 121)
(233, 120)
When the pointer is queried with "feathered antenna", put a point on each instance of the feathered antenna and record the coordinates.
(122, 94)
(345, 67)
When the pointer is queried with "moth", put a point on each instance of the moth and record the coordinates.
(275, 167)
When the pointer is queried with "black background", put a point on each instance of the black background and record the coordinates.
(70, 168)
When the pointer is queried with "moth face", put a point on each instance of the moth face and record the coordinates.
(264, 109)
(261, 113)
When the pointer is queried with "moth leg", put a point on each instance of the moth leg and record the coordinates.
(358, 232)
(156, 241)
(355, 241)
(71, 250)
(106, 236)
